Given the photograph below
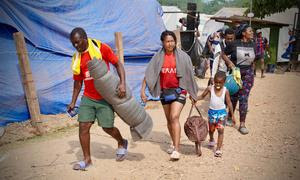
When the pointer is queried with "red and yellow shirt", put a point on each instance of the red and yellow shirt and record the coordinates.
(89, 89)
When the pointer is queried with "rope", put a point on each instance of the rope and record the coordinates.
(190, 47)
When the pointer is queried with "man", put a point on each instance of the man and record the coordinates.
(229, 37)
(92, 105)
(261, 46)
(219, 63)
(290, 46)
(212, 42)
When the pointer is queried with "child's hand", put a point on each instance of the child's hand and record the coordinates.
(233, 120)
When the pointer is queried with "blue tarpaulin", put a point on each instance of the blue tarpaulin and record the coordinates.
(46, 26)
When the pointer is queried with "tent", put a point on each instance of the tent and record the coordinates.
(212, 26)
(171, 18)
(46, 26)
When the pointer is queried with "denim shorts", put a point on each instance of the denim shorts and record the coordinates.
(181, 99)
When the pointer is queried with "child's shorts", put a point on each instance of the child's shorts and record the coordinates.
(217, 117)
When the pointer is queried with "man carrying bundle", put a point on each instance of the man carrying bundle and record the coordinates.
(92, 105)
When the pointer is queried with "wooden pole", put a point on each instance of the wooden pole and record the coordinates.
(28, 83)
(177, 34)
(119, 46)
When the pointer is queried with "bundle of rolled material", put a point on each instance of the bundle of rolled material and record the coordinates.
(130, 111)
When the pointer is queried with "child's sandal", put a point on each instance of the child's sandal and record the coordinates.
(218, 153)
(211, 144)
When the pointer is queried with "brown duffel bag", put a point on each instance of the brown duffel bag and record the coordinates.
(196, 129)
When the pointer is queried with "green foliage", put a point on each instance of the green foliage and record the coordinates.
(261, 8)
(207, 7)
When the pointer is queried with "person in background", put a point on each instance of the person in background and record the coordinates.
(290, 46)
(212, 43)
(242, 55)
(170, 75)
(261, 47)
(183, 25)
(219, 64)
(229, 36)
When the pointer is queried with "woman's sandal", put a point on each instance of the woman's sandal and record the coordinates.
(81, 165)
(122, 152)
(218, 153)
(243, 130)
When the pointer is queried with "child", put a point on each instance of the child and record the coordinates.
(217, 109)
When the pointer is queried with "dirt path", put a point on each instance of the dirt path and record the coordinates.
(270, 151)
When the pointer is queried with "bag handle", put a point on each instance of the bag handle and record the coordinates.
(192, 107)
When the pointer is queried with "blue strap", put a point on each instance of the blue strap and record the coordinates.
(123, 151)
(82, 164)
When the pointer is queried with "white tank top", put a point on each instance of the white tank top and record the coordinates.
(216, 102)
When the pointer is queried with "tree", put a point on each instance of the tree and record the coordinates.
(262, 8)
(207, 7)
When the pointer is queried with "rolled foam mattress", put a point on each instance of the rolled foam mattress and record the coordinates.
(129, 110)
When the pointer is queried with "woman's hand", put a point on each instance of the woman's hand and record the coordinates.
(231, 65)
(193, 101)
(144, 97)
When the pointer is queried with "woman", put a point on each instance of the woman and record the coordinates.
(242, 52)
(169, 75)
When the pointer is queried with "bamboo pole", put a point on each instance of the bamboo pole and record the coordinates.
(28, 82)
(119, 46)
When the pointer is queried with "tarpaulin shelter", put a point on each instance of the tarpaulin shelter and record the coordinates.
(46, 26)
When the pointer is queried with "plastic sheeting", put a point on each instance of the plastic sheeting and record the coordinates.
(51, 72)
(47, 24)
(46, 27)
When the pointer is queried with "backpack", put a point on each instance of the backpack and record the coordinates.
(196, 129)
(200, 69)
